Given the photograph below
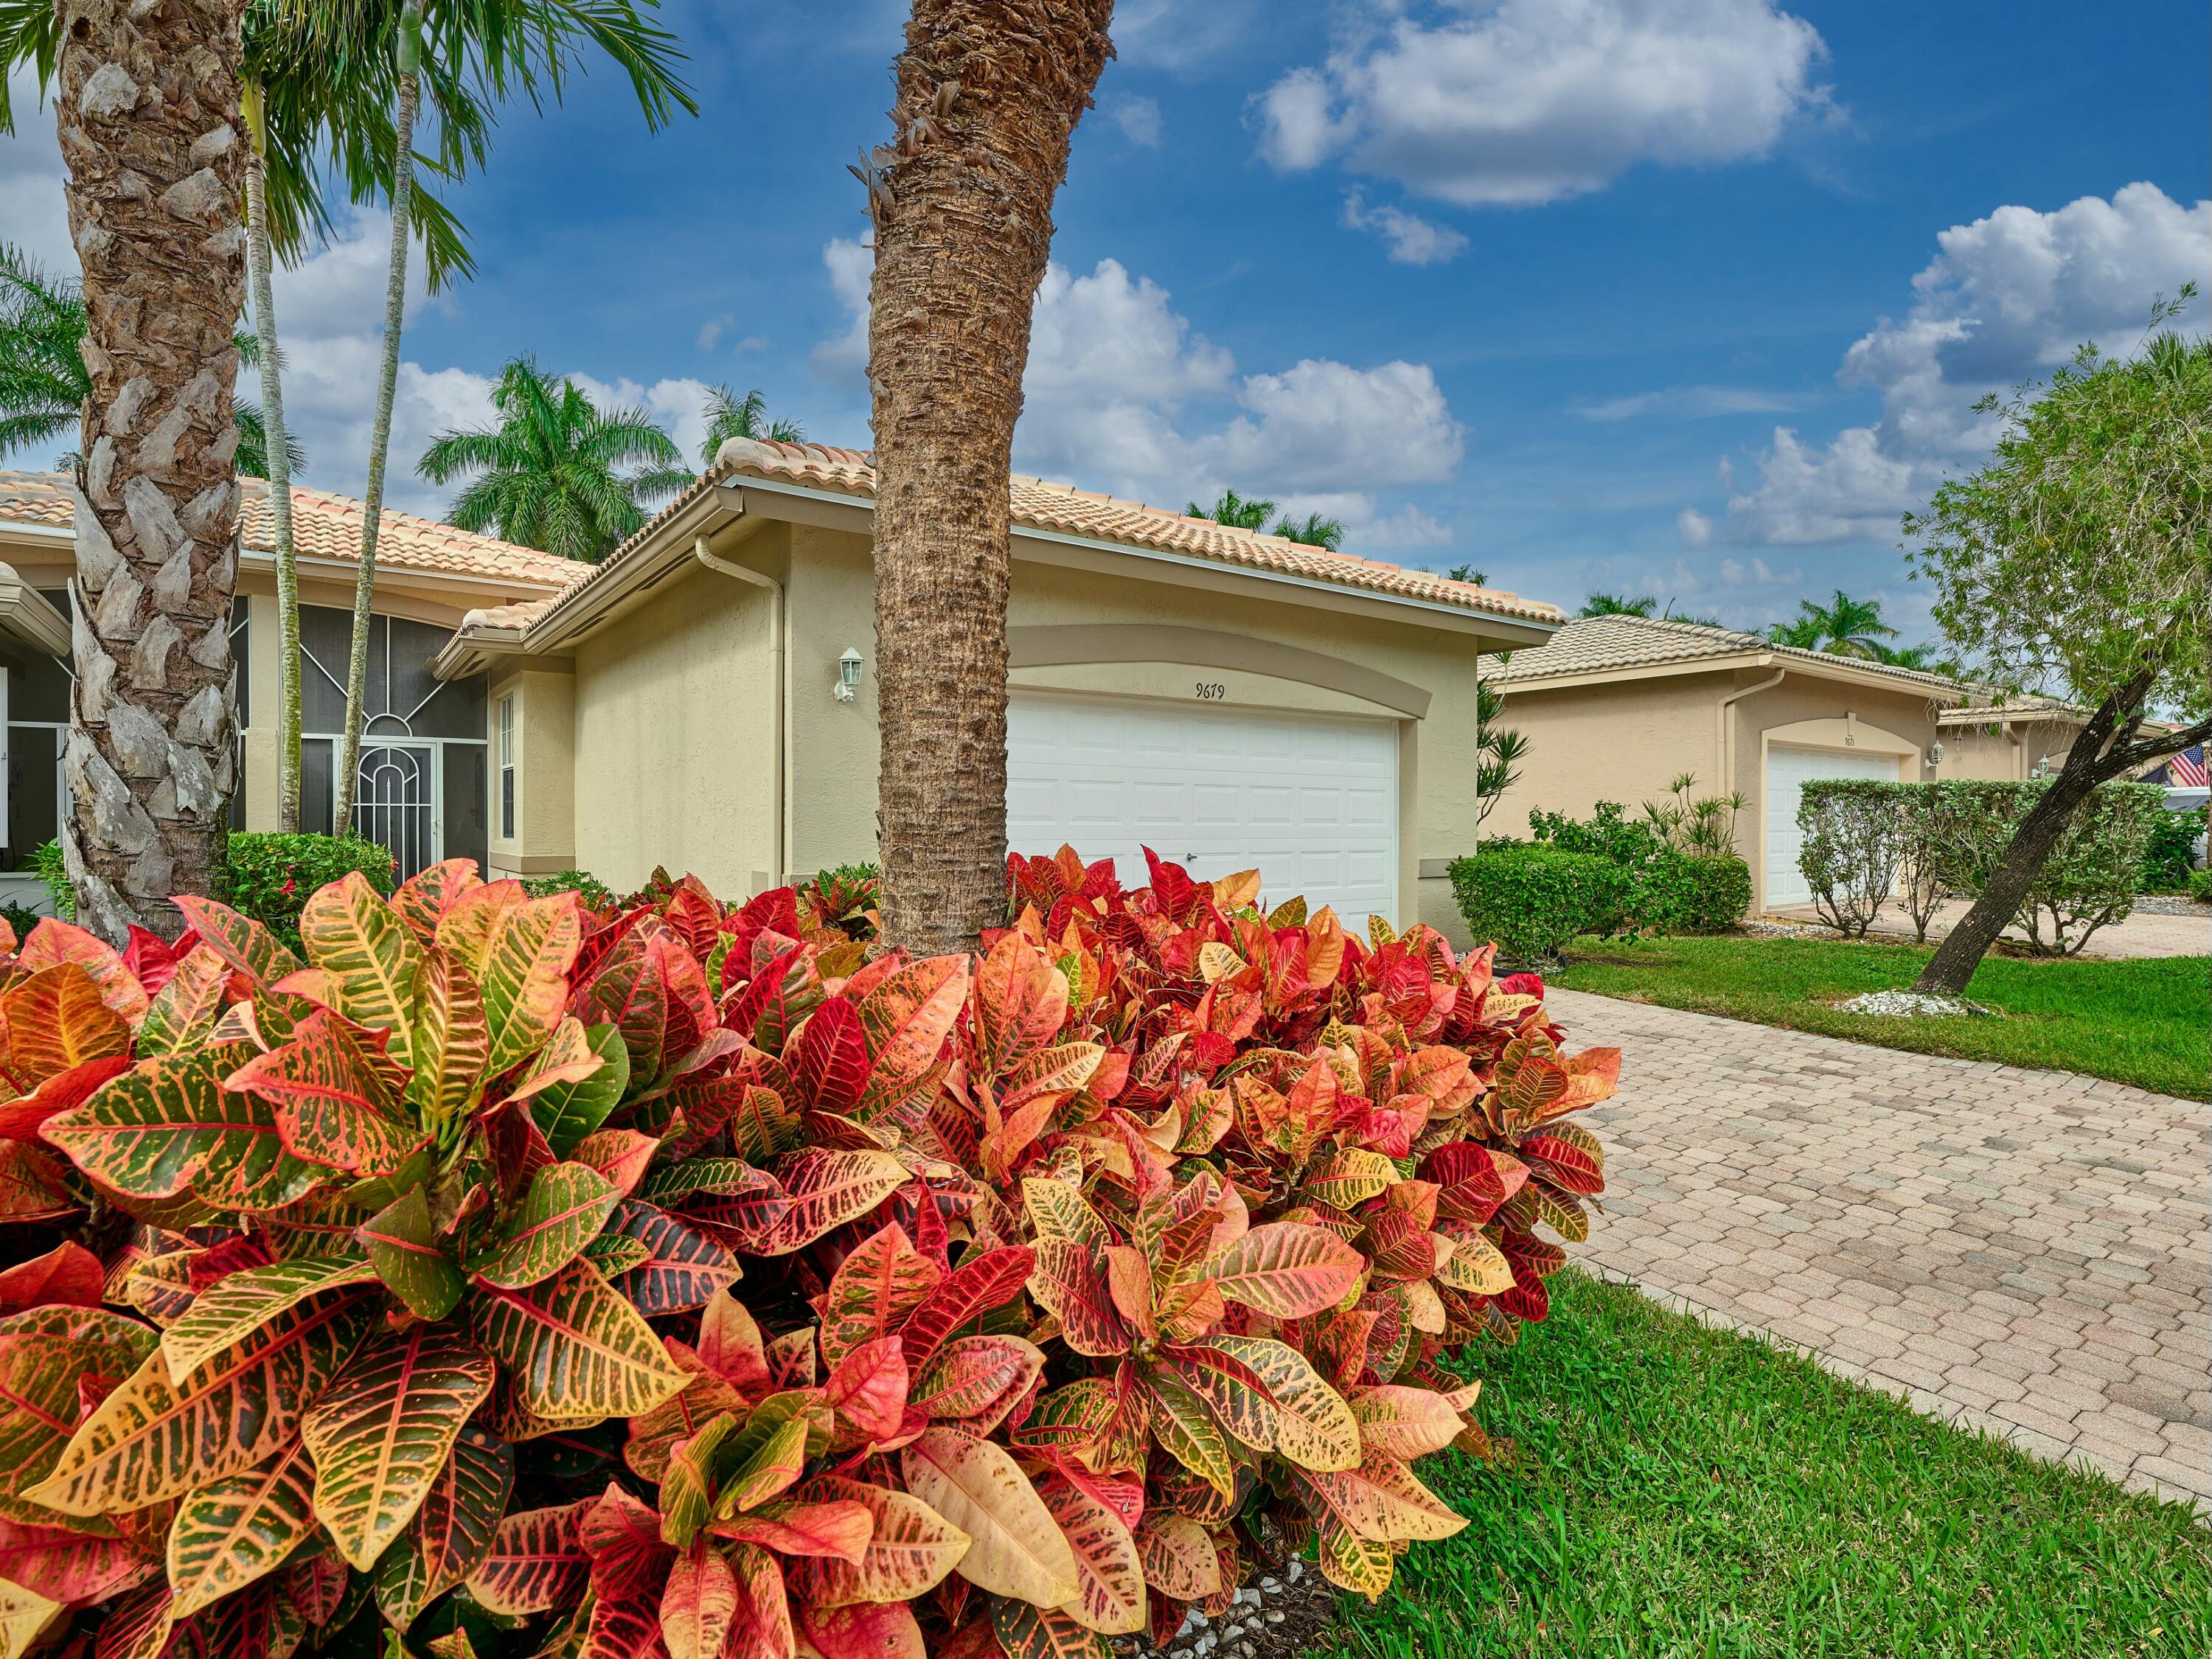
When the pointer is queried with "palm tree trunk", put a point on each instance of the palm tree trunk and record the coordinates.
(149, 118)
(257, 260)
(963, 230)
(395, 311)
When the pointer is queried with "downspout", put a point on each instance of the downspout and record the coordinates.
(780, 675)
(1725, 744)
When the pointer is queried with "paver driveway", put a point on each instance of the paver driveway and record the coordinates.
(2027, 1251)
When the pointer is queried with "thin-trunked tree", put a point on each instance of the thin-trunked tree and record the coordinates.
(2082, 555)
(988, 95)
(149, 118)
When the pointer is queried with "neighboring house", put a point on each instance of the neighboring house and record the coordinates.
(703, 699)
(1615, 708)
(424, 766)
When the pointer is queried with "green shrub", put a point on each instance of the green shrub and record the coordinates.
(2200, 886)
(1673, 888)
(47, 862)
(2171, 853)
(270, 877)
(20, 917)
(596, 895)
(1853, 834)
(1534, 899)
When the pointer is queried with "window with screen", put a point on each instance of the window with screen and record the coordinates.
(507, 766)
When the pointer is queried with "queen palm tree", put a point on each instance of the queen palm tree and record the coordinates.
(1233, 510)
(154, 199)
(962, 209)
(1314, 531)
(1844, 627)
(557, 473)
(729, 416)
(531, 45)
(43, 379)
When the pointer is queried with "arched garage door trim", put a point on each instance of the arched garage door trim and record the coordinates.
(1062, 644)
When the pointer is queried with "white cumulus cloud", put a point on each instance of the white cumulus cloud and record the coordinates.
(2007, 299)
(1138, 117)
(1517, 102)
(1411, 241)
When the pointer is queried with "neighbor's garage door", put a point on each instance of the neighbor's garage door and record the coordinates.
(1787, 771)
(1312, 801)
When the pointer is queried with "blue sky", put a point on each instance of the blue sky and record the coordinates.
(1688, 297)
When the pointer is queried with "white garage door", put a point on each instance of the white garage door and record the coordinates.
(1787, 771)
(1312, 801)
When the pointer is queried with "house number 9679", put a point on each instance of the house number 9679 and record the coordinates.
(1211, 691)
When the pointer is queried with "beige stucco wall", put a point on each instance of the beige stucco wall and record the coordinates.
(2006, 755)
(674, 730)
(674, 749)
(544, 839)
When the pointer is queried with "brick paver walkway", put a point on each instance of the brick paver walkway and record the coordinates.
(2027, 1251)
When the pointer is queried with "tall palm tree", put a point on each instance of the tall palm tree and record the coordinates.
(1615, 604)
(533, 45)
(556, 472)
(1233, 510)
(729, 416)
(1844, 627)
(153, 212)
(963, 210)
(44, 382)
(1314, 532)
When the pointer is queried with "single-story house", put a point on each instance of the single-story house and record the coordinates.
(1615, 708)
(702, 698)
(424, 763)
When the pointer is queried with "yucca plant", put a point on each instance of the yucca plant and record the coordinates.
(858, 1305)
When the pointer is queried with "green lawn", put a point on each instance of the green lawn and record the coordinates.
(1685, 1490)
(2145, 1023)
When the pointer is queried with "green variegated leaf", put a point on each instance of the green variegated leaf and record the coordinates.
(374, 964)
(1235, 1394)
(1348, 1178)
(615, 1254)
(1187, 1432)
(459, 1513)
(678, 1268)
(228, 1312)
(152, 1439)
(168, 1126)
(230, 1532)
(1314, 1427)
(402, 1242)
(519, 954)
(382, 1431)
(565, 1208)
(764, 1457)
(574, 1349)
(877, 1284)
(335, 1099)
(45, 1353)
(1106, 1559)
(1028, 1631)
(568, 1107)
(694, 1469)
(401, 1581)
(451, 1041)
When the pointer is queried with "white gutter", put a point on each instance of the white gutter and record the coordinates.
(1724, 730)
(780, 676)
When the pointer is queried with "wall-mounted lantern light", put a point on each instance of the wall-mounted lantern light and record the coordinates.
(848, 675)
(1934, 754)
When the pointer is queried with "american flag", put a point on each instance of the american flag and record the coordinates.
(2186, 769)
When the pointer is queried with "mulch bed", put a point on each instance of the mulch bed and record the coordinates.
(1277, 1616)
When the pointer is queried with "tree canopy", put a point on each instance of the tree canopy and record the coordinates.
(2076, 562)
(556, 472)
(729, 416)
(1233, 510)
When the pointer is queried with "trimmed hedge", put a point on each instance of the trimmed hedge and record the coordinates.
(1863, 839)
(1533, 897)
(1672, 889)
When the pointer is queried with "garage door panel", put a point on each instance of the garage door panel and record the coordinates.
(1788, 771)
(1312, 800)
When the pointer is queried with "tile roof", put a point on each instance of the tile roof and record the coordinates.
(1596, 644)
(1042, 506)
(327, 526)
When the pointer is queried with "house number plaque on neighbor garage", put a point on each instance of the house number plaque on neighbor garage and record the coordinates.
(1211, 691)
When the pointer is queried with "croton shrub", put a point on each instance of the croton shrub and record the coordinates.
(517, 1275)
